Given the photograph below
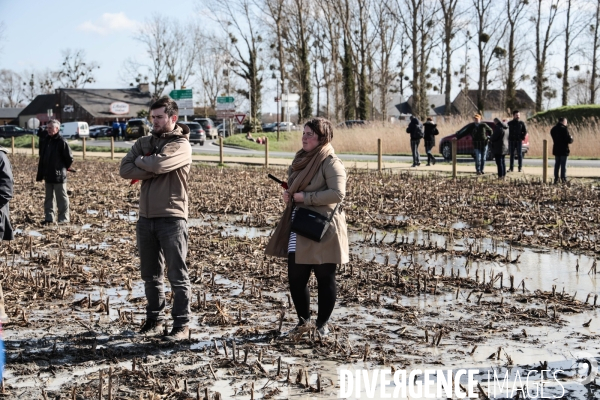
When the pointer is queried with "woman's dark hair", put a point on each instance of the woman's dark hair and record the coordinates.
(322, 127)
(168, 103)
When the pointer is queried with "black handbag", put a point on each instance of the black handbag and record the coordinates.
(311, 224)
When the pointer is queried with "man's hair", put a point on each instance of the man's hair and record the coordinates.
(54, 122)
(562, 119)
(516, 112)
(168, 103)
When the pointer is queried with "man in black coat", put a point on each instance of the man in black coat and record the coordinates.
(6, 195)
(431, 131)
(415, 129)
(55, 159)
(516, 134)
(560, 150)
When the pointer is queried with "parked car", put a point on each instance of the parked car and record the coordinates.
(224, 132)
(355, 123)
(97, 131)
(137, 127)
(76, 129)
(209, 127)
(464, 145)
(197, 134)
(7, 131)
(282, 127)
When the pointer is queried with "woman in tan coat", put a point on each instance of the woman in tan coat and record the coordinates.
(317, 181)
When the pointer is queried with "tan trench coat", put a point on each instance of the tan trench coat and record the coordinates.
(325, 190)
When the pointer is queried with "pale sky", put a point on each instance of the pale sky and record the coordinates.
(37, 31)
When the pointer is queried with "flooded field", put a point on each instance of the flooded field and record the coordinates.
(443, 275)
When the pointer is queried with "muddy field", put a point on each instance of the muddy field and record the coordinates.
(472, 273)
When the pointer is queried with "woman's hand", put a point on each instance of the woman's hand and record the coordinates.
(299, 197)
(286, 196)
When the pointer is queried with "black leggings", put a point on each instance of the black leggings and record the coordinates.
(298, 275)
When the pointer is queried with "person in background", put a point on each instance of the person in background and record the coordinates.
(123, 126)
(560, 149)
(480, 131)
(116, 129)
(431, 132)
(317, 181)
(415, 129)
(499, 143)
(162, 161)
(55, 159)
(517, 130)
(6, 195)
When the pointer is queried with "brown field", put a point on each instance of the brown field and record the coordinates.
(396, 141)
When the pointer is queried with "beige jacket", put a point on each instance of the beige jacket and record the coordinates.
(163, 173)
(326, 189)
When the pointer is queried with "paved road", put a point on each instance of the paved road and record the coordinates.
(211, 148)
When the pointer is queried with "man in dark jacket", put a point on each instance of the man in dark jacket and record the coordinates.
(480, 132)
(516, 134)
(55, 159)
(430, 133)
(499, 144)
(415, 129)
(560, 150)
(6, 195)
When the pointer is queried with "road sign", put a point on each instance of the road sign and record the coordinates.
(225, 99)
(181, 94)
(33, 123)
(186, 111)
(185, 103)
(224, 114)
(240, 118)
(291, 97)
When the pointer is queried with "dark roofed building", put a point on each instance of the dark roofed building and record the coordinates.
(9, 115)
(436, 105)
(38, 108)
(101, 106)
(494, 103)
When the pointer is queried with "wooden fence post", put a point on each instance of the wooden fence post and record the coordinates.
(266, 152)
(379, 154)
(32, 145)
(83, 139)
(221, 150)
(545, 162)
(12, 144)
(112, 148)
(454, 145)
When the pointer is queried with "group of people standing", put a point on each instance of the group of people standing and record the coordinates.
(506, 138)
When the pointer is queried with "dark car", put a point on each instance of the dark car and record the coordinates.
(137, 127)
(210, 129)
(197, 134)
(98, 131)
(283, 126)
(7, 131)
(354, 123)
(464, 145)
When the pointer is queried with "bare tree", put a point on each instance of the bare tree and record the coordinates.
(38, 82)
(387, 42)
(153, 34)
(237, 18)
(515, 11)
(450, 15)
(275, 9)
(544, 15)
(331, 46)
(490, 31)
(210, 68)
(574, 26)
(595, 32)
(75, 71)
(11, 88)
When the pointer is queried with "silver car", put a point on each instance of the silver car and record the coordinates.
(208, 126)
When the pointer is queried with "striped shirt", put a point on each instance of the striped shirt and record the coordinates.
(292, 242)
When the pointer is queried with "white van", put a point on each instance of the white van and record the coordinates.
(75, 130)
